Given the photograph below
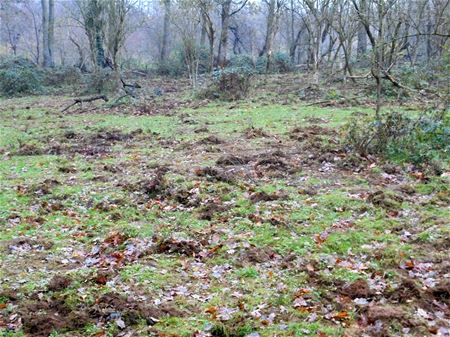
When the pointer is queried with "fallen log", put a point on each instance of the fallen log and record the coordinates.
(82, 100)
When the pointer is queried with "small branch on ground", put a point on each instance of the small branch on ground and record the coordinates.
(82, 100)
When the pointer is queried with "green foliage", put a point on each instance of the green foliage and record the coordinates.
(229, 84)
(62, 76)
(279, 63)
(242, 62)
(19, 76)
(98, 82)
(175, 65)
(420, 140)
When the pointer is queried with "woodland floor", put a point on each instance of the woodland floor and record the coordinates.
(195, 218)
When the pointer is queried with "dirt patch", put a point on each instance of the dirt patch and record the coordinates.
(43, 317)
(271, 163)
(442, 291)
(149, 187)
(9, 294)
(232, 160)
(407, 290)
(112, 306)
(184, 197)
(177, 246)
(259, 255)
(210, 140)
(385, 200)
(263, 196)
(312, 132)
(208, 211)
(59, 282)
(357, 289)
(27, 244)
(29, 149)
(252, 132)
(91, 144)
(214, 174)
(385, 313)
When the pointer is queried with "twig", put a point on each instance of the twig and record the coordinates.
(80, 100)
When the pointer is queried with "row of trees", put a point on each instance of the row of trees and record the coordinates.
(333, 34)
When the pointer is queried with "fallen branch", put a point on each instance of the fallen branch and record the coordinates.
(82, 100)
(341, 100)
(130, 88)
(359, 76)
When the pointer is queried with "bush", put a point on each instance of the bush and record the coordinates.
(62, 76)
(230, 84)
(280, 63)
(19, 76)
(99, 82)
(242, 62)
(419, 140)
(175, 65)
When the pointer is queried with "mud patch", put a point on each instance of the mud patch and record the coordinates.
(313, 132)
(357, 289)
(259, 255)
(112, 306)
(59, 282)
(385, 200)
(263, 196)
(177, 246)
(232, 160)
(442, 291)
(385, 313)
(406, 291)
(27, 244)
(149, 187)
(208, 211)
(214, 174)
(252, 133)
(41, 318)
(29, 149)
(210, 140)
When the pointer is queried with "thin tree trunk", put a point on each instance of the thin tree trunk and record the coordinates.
(362, 42)
(165, 37)
(46, 57)
(223, 43)
(51, 31)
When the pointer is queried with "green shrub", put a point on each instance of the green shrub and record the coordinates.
(242, 62)
(19, 76)
(175, 65)
(62, 76)
(420, 140)
(101, 81)
(280, 63)
(229, 84)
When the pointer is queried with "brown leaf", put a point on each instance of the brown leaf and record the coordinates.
(341, 315)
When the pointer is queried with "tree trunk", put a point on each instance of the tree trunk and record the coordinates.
(361, 49)
(46, 56)
(270, 28)
(223, 43)
(165, 37)
(203, 35)
(51, 31)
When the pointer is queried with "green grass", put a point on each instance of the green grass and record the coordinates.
(316, 230)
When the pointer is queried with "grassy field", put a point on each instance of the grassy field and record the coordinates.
(219, 220)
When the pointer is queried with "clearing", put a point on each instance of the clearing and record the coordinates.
(194, 218)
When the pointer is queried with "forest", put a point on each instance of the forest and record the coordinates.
(224, 168)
